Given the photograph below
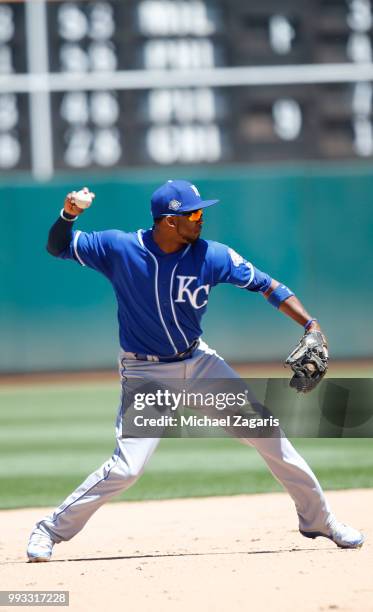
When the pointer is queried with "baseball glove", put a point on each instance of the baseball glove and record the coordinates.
(309, 362)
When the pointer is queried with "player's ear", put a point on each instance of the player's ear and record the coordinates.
(170, 221)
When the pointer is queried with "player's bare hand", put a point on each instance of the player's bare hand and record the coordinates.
(70, 207)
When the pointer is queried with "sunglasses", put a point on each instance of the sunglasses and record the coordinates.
(194, 215)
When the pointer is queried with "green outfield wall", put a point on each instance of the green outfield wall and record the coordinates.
(309, 226)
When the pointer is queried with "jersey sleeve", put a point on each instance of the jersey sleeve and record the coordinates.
(95, 250)
(230, 267)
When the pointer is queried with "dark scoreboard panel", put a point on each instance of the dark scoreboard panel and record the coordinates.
(14, 111)
(118, 124)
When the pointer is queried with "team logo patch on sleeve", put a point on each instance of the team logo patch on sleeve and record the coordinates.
(236, 258)
(174, 205)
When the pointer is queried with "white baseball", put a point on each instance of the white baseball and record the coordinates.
(83, 198)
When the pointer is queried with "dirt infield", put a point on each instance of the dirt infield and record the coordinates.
(211, 554)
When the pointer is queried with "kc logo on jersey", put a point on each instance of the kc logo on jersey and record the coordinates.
(194, 297)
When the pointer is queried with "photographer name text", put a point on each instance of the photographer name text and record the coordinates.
(235, 420)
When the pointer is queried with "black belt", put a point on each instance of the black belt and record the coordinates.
(178, 357)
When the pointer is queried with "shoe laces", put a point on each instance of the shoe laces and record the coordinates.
(336, 525)
(41, 539)
(341, 528)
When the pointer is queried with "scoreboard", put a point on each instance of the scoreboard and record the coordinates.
(118, 83)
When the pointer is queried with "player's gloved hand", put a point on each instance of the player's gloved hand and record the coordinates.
(309, 361)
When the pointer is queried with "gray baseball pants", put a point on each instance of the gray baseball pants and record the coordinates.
(131, 455)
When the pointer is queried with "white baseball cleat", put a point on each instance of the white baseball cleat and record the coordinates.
(342, 535)
(40, 546)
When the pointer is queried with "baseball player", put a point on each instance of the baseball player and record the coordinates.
(162, 278)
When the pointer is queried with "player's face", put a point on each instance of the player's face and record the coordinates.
(189, 230)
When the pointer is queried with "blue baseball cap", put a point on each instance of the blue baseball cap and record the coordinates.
(177, 197)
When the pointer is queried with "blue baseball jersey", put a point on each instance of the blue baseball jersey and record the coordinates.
(161, 297)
